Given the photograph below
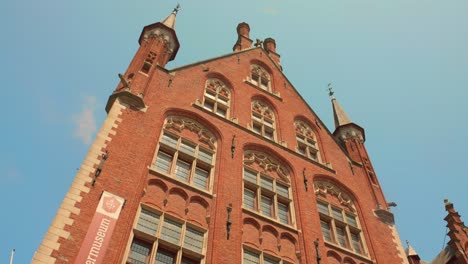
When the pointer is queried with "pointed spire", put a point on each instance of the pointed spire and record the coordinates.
(340, 116)
(171, 19)
(410, 250)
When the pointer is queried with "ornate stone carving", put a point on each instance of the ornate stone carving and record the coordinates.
(324, 188)
(350, 133)
(163, 35)
(181, 123)
(267, 163)
(304, 129)
(218, 87)
(262, 108)
(258, 71)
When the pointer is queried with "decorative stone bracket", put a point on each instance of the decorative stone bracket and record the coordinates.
(385, 216)
(126, 97)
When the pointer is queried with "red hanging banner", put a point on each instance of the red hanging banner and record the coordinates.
(99, 233)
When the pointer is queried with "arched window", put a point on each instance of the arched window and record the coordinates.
(266, 187)
(217, 97)
(263, 119)
(187, 157)
(306, 141)
(338, 218)
(260, 77)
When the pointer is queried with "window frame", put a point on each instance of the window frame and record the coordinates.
(197, 160)
(335, 223)
(216, 98)
(157, 242)
(261, 76)
(275, 197)
(307, 143)
(263, 120)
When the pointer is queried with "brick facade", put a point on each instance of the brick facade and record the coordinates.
(152, 102)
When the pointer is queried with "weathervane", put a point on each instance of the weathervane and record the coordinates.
(176, 9)
(330, 91)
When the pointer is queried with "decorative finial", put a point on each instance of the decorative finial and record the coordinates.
(330, 91)
(176, 9)
(258, 43)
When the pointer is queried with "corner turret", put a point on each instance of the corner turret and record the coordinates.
(158, 45)
(352, 137)
(412, 255)
(344, 128)
(162, 37)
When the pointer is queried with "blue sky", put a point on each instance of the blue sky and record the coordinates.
(399, 68)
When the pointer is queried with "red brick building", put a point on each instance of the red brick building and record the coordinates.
(220, 161)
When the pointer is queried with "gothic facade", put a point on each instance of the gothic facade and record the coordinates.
(221, 161)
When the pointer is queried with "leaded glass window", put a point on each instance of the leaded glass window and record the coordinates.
(173, 240)
(184, 160)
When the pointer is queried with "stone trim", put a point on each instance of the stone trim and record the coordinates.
(78, 189)
(324, 187)
(267, 163)
(399, 246)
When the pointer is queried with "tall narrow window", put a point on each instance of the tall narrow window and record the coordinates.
(338, 218)
(249, 199)
(148, 62)
(342, 236)
(184, 160)
(260, 77)
(263, 119)
(327, 235)
(267, 209)
(171, 240)
(306, 141)
(139, 252)
(217, 97)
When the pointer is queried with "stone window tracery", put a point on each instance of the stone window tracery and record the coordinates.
(338, 218)
(217, 97)
(260, 77)
(306, 141)
(182, 158)
(263, 120)
(160, 238)
(263, 192)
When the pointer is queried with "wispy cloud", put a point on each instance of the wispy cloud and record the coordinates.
(85, 122)
(270, 11)
(11, 176)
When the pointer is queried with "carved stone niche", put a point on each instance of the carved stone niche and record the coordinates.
(385, 216)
